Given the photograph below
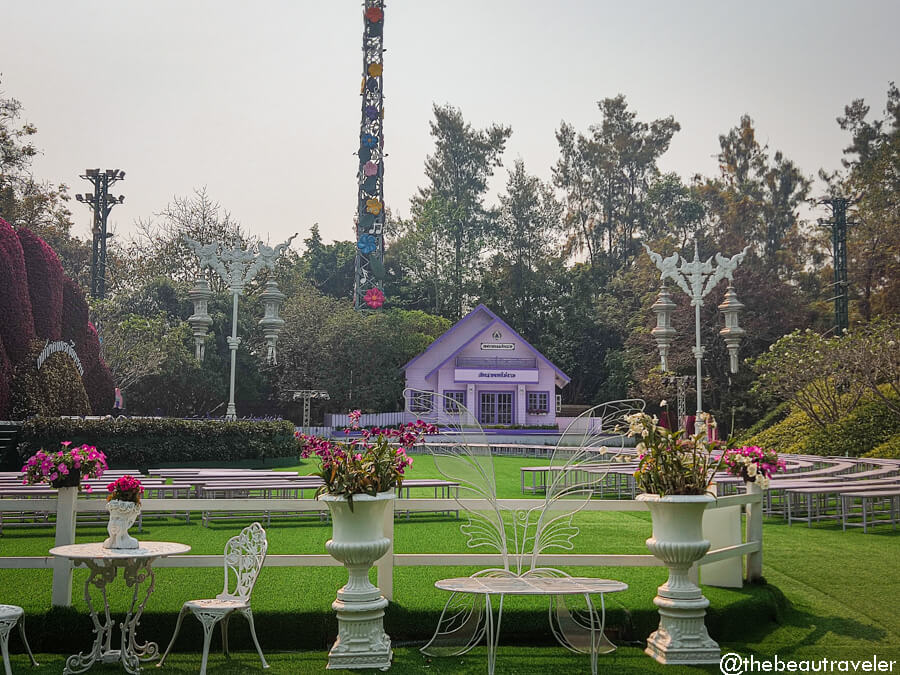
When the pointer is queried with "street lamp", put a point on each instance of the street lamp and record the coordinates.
(236, 267)
(200, 320)
(697, 278)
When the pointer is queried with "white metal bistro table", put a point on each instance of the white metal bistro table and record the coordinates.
(104, 563)
(539, 585)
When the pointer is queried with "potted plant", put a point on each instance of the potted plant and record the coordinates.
(754, 464)
(124, 505)
(359, 478)
(64, 468)
(674, 472)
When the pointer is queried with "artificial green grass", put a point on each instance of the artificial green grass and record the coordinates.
(839, 597)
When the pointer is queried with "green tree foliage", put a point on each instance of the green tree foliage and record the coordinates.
(158, 248)
(356, 357)
(811, 372)
(464, 159)
(756, 200)
(872, 161)
(607, 177)
(524, 240)
(330, 267)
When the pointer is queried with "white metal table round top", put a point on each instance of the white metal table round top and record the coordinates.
(530, 585)
(95, 551)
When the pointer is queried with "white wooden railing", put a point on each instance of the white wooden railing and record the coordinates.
(719, 530)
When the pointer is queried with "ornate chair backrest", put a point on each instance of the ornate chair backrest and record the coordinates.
(244, 556)
(578, 464)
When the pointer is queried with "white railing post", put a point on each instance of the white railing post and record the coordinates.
(385, 564)
(65, 534)
(754, 530)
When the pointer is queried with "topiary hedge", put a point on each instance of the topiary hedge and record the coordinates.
(778, 414)
(870, 424)
(790, 435)
(54, 389)
(890, 449)
(145, 442)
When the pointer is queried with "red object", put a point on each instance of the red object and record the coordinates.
(689, 421)
(16, 322)
(74, 315)
(98, 381)
(6, 374)
(374, 298)
(45, 285)
(374, 14)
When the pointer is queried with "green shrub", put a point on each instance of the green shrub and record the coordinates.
(774, 416)
(890, 449)
(790, 435)
(871, 423)
(54, 389)
(144, 442)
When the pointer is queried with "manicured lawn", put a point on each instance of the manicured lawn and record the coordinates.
(841, 591)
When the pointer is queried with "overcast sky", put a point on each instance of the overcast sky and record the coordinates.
(259, 101)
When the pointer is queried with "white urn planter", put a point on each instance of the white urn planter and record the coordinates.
(678, 541)
(358, 541)
(122, 515)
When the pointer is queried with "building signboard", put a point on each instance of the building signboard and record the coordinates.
(490, 346)
(524, 376)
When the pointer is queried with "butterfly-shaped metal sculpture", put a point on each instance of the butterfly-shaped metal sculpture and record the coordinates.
(578, 465)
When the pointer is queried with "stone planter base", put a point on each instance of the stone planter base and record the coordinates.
(358, 541)
(678, 541)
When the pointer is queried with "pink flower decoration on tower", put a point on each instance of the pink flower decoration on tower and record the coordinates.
(374, 298)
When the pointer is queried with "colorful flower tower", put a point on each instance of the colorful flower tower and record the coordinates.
(370, 204)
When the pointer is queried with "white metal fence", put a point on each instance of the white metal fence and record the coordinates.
(385, 419)
(723, 529)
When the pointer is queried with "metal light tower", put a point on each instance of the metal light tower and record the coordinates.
(101, 204)
(839, 225)
(236, 267)
(369, 273)
(697, 278)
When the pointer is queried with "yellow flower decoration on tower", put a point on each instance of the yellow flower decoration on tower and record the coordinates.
(373, 206)
(374, 69)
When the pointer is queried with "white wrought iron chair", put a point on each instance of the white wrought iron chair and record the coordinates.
(244, 556)
(577, 468)
(10, 615)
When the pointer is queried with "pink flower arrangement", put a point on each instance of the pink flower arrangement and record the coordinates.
(126, 489)
(373, 463)
(66, 467)
(753, 464)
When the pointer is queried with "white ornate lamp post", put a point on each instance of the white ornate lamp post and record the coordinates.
(271, 323)
(237, 267)
(200, 320)
(697, 278)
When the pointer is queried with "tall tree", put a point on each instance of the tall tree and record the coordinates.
(458, 171)
(755, 200)
(159, 249)
(606, 177)
(524, 239)
(872, 161)
(330, 267)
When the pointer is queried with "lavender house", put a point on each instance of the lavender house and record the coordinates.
(489, 368)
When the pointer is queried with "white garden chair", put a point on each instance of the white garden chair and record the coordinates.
(244, 556)
(577, 468)
(10, 615)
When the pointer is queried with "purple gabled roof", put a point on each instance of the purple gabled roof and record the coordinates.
(494, 318)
